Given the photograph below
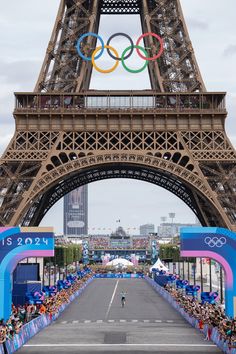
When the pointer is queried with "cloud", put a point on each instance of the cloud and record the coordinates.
(230, 50)
(5, 138)
(22, 71)
(197, 24)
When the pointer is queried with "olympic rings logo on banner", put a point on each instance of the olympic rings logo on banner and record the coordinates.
(215, 241)
(112, 52)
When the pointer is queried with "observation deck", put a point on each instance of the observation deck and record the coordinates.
(120, 110)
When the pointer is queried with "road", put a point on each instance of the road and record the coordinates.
(96, 323)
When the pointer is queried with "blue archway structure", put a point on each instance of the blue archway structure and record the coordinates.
(220, 245)
(16, 244)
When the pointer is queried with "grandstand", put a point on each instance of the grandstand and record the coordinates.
(119, 244)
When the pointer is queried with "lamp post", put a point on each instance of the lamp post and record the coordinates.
(210, 274)
(188, 271)
(66, 259)
(194, 271)
(201, 274)
(221, 286)
(43, 273)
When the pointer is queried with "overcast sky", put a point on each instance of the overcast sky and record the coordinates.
(24, 35)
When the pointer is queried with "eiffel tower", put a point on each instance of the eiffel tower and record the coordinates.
(66, 135)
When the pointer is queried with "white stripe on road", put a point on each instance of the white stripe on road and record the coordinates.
(121, 345)
(112, 298)
(87, 321)
(169, 321)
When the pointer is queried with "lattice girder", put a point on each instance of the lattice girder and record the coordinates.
(64, 71)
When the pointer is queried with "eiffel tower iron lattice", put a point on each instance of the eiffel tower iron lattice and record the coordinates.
(67, 135)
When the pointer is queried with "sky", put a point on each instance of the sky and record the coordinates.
(24, 36)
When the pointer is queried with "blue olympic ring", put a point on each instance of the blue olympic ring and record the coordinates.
(93, 35)
(215, 241)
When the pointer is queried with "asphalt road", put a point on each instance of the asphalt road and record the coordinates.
(96, 323)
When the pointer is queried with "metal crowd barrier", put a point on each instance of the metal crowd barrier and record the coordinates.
(215, 335)
(30, 329)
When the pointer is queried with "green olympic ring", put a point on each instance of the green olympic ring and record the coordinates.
(126, 67)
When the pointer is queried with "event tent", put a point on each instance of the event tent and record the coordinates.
(120, 263)
(159, 266)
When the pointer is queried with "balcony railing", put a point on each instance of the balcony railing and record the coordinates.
(119, 101)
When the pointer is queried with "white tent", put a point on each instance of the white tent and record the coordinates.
(120, 263)
(159, 266)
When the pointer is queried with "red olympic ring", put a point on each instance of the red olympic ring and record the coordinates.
(161, 46)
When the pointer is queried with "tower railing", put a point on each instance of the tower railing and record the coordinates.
(119, 101)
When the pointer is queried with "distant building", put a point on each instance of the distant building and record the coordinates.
(172, 229)
(146, 229)
(76, 213)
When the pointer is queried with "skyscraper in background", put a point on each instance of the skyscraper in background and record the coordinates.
(76, 212)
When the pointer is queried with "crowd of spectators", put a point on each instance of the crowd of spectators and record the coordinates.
(212, 315)
(141, 243)
(99, 243)
(24, 314)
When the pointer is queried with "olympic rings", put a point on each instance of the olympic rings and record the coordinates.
(80, 41)
(123, 58)
(131, 47)
(215, 241)
(108, 70)
(161, 46)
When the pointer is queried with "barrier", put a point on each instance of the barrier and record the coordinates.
(30, 329)
(119, 275)
(215, 335)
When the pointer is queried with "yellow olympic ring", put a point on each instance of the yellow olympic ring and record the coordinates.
(108, 71)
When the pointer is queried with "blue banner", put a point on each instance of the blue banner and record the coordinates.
(218, 244)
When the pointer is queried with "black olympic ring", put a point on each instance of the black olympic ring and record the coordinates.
(126, 36)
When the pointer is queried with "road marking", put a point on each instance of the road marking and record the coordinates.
(112, 298)
(146, 321)
(87, 321)
(99, 321)
(158, 321)
(63, 322)
(111, 321)
(74, 322)
(122, 321)
(122, 345)
(169, 321)
(134, 321)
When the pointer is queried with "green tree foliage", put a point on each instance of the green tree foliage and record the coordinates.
(65, 254)
(170, 251)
